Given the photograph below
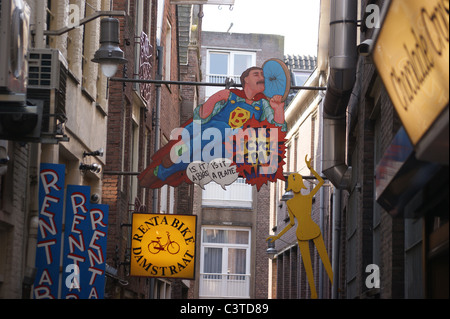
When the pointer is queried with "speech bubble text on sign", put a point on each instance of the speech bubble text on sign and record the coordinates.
(198, 173)
(223, 172)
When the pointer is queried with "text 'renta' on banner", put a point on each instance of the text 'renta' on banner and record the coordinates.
(82, 240)
(84, 245)
(48, 248)
(163, 245)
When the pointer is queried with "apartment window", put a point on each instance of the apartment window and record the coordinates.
(139, 21)
(163, 201)
(218, 67)
(150, 8)
(223, 64)
(72, 43)
(135, 154)
(289, 153)
(159, 21)
(168, 51)
(227, 64)
(90, 46)
(162, 289)
(300, 77)
(225, 263)
(238, 194)
(50, 19)
(171, 199)
(167, 203)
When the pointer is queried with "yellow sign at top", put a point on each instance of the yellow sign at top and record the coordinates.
(163, 245)
(411, 54)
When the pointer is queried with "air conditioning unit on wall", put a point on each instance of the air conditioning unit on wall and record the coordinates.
(47, 78)
(14, 30)
(20, 118)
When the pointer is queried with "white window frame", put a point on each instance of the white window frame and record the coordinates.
(230, 72)
(224, 281)
(162, 289)
(231, 58)
(135, 155)
(139, 25)
(304, 73)
(168, 52)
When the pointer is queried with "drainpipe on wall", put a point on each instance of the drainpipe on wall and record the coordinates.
(336, 241)
(322, 199)
(157, 126)
(352, 110)
(32, 220)
(343, 57)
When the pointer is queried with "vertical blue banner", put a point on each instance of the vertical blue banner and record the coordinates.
(97, 250)
(48, 248)
(77, 236)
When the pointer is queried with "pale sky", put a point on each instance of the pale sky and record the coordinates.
(297, 20)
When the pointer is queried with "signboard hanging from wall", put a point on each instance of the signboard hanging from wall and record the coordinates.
(236, 132)
(48, 248)
(84, 245)
(83, 258)
(145, 66)
(163, 245)
(411, 54)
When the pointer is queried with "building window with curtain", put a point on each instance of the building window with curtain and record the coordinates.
(225, 263)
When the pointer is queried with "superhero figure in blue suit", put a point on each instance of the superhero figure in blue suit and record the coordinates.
(224, 111)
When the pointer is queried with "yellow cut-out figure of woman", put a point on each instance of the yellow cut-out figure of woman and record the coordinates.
(299, 207)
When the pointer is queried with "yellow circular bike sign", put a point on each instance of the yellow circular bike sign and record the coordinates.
(163, 245)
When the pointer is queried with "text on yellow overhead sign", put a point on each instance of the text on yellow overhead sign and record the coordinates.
(411, 54)
(163, 245)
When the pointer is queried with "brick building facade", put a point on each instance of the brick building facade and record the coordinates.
(72, 90)
(289, 280)
(13, 230)
(387, 220)
(115, 116)
(127, 111)
(395, 237)
(132, 124)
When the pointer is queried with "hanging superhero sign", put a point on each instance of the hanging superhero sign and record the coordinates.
(234, 133)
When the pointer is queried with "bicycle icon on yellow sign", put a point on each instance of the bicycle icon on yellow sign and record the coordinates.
(171, 246)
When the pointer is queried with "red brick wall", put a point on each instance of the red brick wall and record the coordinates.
(361, 148)
(112, 194)
(116, 188)
(261, 228)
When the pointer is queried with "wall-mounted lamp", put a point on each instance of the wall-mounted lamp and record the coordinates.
(109, 55)
(287, 196)
(98, 152)
(365, 48)
(95, 198)
(94, 168)
(271, 250)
